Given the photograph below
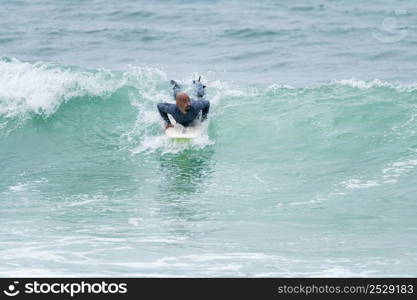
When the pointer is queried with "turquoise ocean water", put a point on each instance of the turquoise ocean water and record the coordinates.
(308, 166)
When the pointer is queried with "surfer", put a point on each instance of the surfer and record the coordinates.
(186, 110)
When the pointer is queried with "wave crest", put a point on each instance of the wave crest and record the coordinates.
(41, 87)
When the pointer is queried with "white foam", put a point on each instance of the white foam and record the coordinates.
(362, 84)
(134, 221)
(389, 175)
(25, 186)
(396, 169)
(82, 203)
(150, 144)
(20, 187)
(359, 184)
(274, 87)
(42, 87)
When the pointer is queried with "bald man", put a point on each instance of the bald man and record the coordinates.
(185, 111)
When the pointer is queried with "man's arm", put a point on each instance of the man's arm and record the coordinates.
(163, 110)
(204, 106)
(205, 110)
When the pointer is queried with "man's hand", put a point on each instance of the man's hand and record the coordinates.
(168, 126)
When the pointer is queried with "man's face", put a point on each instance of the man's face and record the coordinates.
(184, 103)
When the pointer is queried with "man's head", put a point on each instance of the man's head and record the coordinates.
(183, 102)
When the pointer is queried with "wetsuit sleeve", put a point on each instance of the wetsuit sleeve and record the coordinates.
(205, 110)
(163, 110)
(204, 105)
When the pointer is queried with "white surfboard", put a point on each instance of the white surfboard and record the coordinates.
(181, 132)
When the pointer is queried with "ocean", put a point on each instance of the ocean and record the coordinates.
(308, 167)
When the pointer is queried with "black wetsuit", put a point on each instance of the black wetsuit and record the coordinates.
(196, 106)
